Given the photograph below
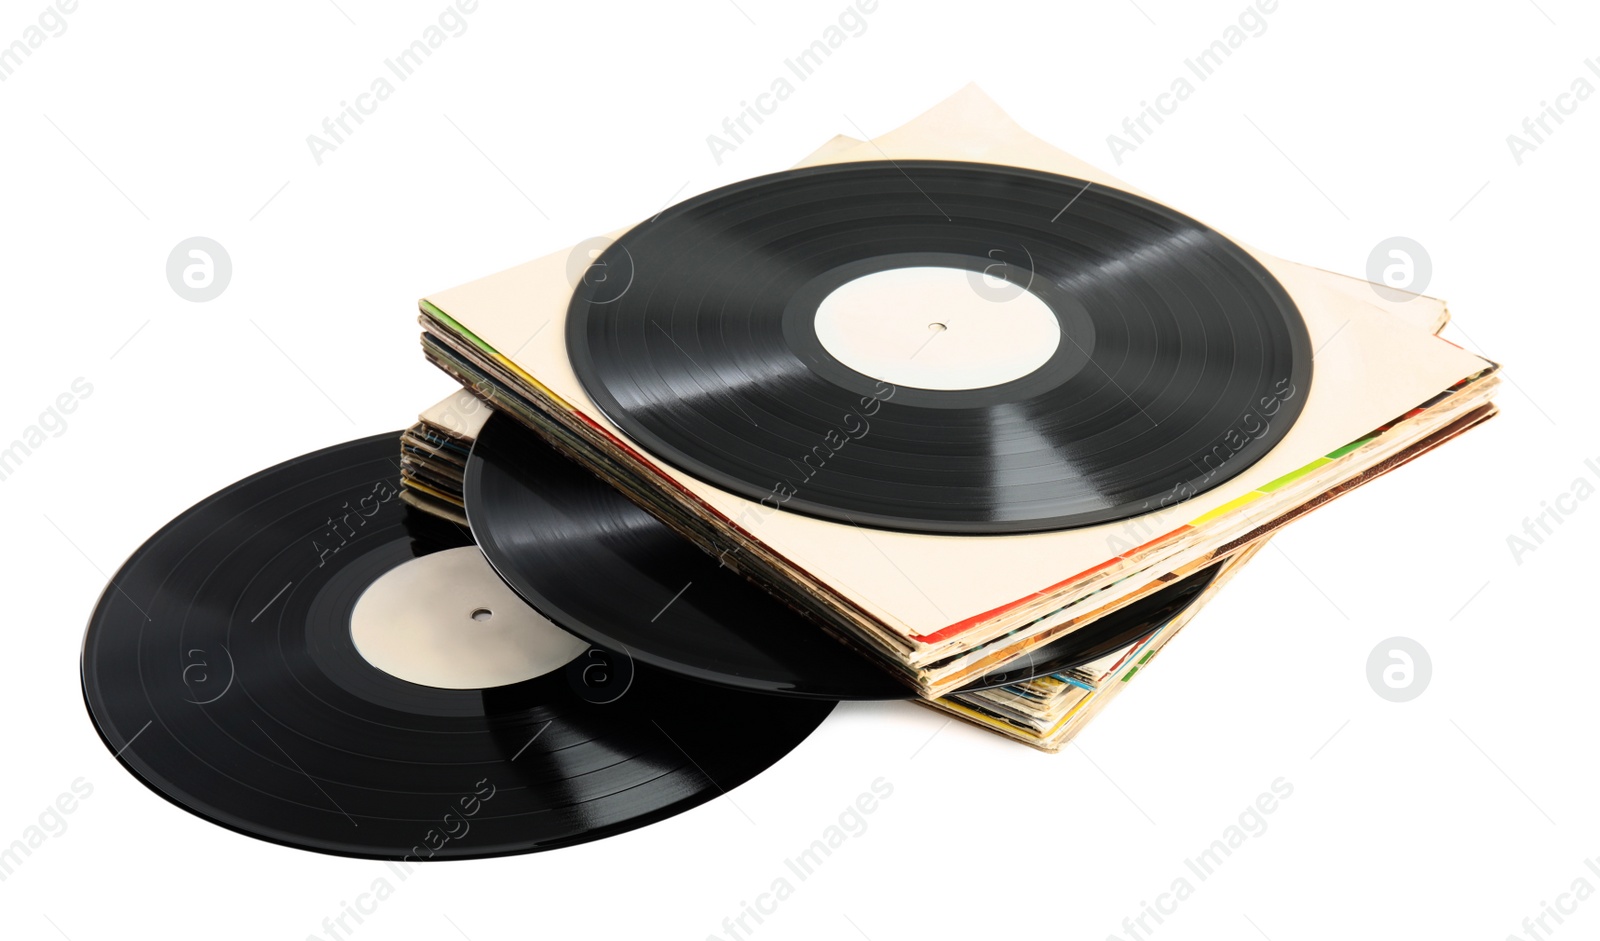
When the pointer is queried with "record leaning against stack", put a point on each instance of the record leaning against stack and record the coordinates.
(221, 667)
(581, 553)
(1120, 344)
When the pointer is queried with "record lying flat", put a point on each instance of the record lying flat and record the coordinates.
(1143, 357)
(219, 667)
(604, 569)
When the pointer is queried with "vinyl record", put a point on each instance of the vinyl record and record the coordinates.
(221, 668)
(601, 567)
(940, 347)
(1103, 636)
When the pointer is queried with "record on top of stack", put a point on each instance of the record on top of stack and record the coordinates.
(1121, 342)
(303, 658)
(954, 410)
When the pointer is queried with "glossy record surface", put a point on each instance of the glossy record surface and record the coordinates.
(604, 569)
(219, 667)
(1182, 360)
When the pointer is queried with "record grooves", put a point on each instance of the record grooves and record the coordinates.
(218, 667)
(1182, 361)
(606, 570)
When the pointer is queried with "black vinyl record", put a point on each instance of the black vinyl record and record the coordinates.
(589, 559)
(220, 669)
(1181, 361)
(1103, 636)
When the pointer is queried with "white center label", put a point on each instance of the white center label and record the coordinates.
(447, 620)
(937, 328)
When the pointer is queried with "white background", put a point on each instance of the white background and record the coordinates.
(1455, 815)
